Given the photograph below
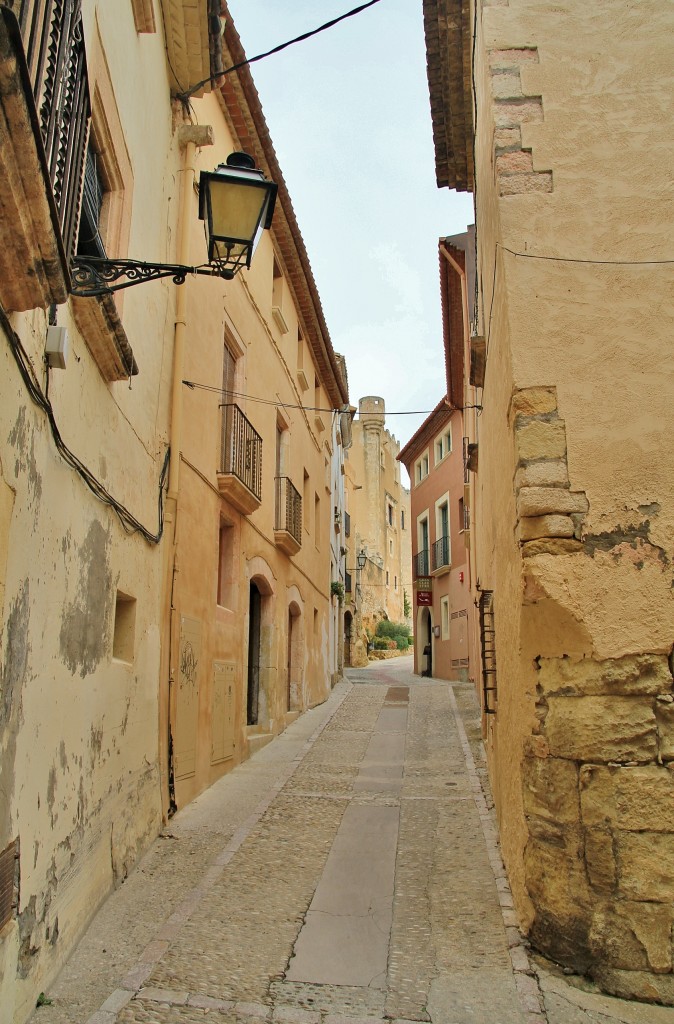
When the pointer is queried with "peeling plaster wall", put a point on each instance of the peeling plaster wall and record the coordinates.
(575, 454)
(78, 728)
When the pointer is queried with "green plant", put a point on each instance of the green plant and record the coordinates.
(380, 643)
(42, 1000)
(392, 630)
(402, 643)
(407, 607)
(337, 590)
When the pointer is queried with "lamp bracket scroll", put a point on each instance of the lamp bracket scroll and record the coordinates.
(93, 275)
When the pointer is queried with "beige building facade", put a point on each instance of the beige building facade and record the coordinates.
(251, 614)
(379, 511)
(166, 460)
(571, 513)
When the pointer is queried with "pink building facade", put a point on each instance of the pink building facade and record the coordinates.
(434, 460)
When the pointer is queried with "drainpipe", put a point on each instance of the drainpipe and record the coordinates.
(189, 138)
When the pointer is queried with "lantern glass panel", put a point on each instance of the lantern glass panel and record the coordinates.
(236, 210)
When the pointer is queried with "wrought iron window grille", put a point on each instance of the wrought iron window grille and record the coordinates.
(488, 648)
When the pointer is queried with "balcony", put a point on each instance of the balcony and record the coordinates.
(440, 556)
(240, 472)
(288, 526)
(421, 564)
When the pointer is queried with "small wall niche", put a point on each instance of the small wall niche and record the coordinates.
(124, 633)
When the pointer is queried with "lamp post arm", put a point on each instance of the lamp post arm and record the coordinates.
(93, 275)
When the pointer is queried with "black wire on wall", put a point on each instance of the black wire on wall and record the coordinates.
(129, 522)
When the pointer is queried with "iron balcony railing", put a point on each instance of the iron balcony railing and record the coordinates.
(54, 46)
(288, 508)
(347, 524)
(421, 563)
(241, 449)
(440, 555)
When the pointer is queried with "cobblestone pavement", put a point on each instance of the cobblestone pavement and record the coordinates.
(263, 900)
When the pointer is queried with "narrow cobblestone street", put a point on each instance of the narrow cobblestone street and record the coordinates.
(348, 872)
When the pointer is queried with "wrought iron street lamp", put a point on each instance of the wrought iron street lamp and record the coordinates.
(361, 559)
(236, 203)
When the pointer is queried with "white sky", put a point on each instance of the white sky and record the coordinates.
(349, 117)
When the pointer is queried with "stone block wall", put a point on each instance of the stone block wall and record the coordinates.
(598, 787)
(550, 514)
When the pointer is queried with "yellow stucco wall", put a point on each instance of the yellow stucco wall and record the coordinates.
(571, 161)
(269, 393)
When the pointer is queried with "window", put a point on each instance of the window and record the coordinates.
(301, 374)
(226, 565)
(387, 578)
(421, 468)
(9, 883)
(441, 549)
(124, 631)
(390, 547)
(317, 521)
(277, 298)
(89, 240)
(444, 618)
(306, 491)
(462, 516)
(488, 645)
(443, 445)
(318, 406)
(402, 519)
(422, 559)
(389, 513)
(395, 582)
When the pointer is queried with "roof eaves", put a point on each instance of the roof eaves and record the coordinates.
(448, 67)
(435, 420)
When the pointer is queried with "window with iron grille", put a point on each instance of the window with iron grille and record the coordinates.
(9, 883)
(54, 47)
(488, 647)
(89, 241)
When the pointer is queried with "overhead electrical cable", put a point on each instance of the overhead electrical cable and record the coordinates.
(193, 386)
(184, 96)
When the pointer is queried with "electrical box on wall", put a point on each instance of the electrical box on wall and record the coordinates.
(56, 348)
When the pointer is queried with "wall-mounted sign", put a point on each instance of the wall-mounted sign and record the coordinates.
(424, 597)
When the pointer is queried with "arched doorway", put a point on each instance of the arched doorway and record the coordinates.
(425, 643)
(254, 652)
(295, 657)
(348, 633)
